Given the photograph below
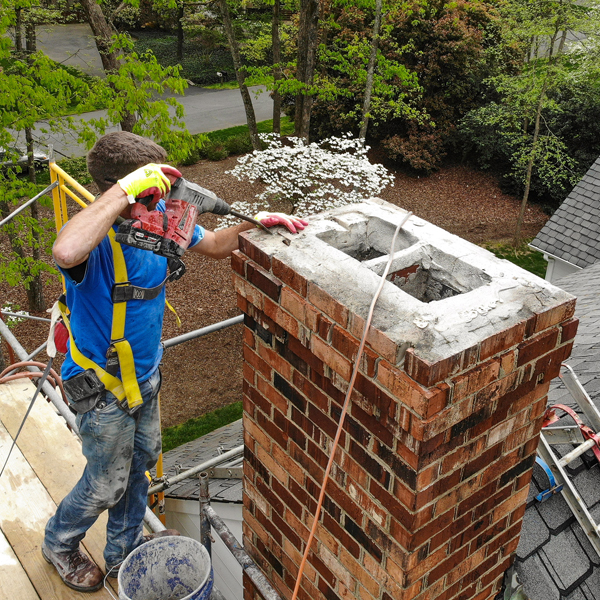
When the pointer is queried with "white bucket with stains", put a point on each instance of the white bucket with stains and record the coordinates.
(167, 568)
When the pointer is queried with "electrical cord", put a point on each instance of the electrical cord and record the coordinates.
(53, 378)
(345, 409)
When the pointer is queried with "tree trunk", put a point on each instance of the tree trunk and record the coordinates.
(102, 36)
(34, 288)
(240, 74)
(536, 135)
(276, 66)
(18, 29)
(371, 71)
(180, 14)
(307, 50)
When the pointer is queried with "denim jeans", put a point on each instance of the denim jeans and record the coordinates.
(119, 450)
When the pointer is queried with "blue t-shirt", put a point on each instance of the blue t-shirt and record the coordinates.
(91, 307)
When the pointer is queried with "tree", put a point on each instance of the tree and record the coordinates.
(545, 25)
(240, 73)
(526, 130)
(32, 89)
(371, 70)
(305, 64)
(110, 61)
(139, 88)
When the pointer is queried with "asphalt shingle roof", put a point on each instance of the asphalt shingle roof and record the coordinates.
(555, 560)
(573, 232)
(198, 451)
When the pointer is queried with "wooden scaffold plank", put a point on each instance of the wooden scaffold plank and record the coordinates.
(48, 462)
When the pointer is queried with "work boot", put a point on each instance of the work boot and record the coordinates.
(113, 571)
(75, 568)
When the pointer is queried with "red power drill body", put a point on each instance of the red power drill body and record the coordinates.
(170, 233)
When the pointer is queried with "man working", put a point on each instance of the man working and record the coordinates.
(111, 370)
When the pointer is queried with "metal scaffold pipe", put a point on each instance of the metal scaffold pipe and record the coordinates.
(54, 396)
(151, 520)
(204, 331)
(233, 453)
(260, 582)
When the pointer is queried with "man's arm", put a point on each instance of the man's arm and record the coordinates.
(87, 228)
(220, 244)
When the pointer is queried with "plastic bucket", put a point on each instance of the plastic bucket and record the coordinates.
(167, 568)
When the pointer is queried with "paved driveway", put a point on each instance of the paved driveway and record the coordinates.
(205, 110)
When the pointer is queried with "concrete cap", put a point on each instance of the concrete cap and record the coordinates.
(443, 294)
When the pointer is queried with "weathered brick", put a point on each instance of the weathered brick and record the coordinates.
(554, 315)
(345, 343)
(289, 276)
(568, 330)
(537, 346)
(299, 308)
(238, 262)
(475, 379)
(325, 353)
(331, 307)
(251, 251)
(503, 340)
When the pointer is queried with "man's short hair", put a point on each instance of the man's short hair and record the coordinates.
(119, 153)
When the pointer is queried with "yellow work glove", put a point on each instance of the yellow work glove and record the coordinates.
(149, 180)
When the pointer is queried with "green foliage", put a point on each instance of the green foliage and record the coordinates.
(200, 64)
(525, 257)
(433, 58)
(17, 265)
(563, 88)
(140, 87)
(172, 437)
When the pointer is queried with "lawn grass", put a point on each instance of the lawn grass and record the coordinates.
(523, 256)
(175, 436)
(222, 135)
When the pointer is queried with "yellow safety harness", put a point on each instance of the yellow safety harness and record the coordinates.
(127, 387)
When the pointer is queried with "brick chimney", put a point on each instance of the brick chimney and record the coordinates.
(428, 489)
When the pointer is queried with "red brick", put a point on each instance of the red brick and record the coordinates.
(377, 340)
(252, 295)
(331, 358)
(568, 330)
(511, 504)
(238, 262)
(425, 402)
(446, 566)
(554, 315)
(503, 340)
(537, 346)
(548, 367)
(282, 318)
(331, 307)
(427, 373)
(475, 379)
(299, 308)
(253, 252)
(289, 276)
(348, 346)
(249, 375)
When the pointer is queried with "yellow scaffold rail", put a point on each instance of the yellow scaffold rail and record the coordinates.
(60, 193)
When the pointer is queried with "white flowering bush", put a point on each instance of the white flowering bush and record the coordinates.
(312, 177)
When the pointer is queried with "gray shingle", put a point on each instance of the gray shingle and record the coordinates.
(537, 583)
(565, 560)
(556, 513)
(533, 535)
(573, 231)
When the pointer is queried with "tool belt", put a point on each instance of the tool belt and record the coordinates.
(85, 389)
